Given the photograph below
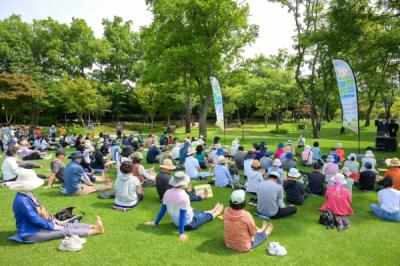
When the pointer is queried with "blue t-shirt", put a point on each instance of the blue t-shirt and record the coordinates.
(72, 177)
(316, 153)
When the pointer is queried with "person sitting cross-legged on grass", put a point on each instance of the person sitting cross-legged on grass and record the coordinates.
(270, 198)
(192, 166)
(221, 172)
(367, 178)
(337, 197)
(34, 223)
(57, 168)
(389, 199)
(316, 180)
(240, 230)
(177, 203)
(76, 182)
(128, 190)
(294, 189)
(253, 180)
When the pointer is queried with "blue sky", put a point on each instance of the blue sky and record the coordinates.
(276, 25)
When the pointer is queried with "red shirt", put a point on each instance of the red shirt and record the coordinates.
(394, 172)
(338, 203)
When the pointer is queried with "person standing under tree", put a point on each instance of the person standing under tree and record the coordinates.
(119, 130)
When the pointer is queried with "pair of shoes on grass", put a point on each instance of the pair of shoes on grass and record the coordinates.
(275, 248)
(72, 244)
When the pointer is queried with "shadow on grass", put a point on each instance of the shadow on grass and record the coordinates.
(215, 246)
(4, 241)
(105, 204)
(161, 229)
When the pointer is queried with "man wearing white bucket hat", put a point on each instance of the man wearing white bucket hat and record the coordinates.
(192, 166)
(177, 203)
(33, 222)
(222, 176)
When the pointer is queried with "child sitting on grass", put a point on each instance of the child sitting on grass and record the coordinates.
(176, 201)
(241, 232)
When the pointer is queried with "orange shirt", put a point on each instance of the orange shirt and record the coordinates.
(394, 172)
(340, 153)
(239, 228)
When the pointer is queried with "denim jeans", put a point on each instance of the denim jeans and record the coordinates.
(258, 239)
(381, 213)
(199, 218)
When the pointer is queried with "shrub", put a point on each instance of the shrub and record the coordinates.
(279, 131)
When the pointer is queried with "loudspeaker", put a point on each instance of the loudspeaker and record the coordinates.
(386, 144)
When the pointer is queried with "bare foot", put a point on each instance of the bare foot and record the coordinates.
(269, 229)
(219, 210)
(99, 225)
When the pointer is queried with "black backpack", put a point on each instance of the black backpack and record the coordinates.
(328, 219)
(67, 216)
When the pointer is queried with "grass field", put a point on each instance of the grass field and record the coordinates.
(128, 241)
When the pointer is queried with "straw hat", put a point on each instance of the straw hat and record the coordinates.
(137, 154)
(346, 171)
(167, 164)
(221, 159)
(27, 181)
(393, 162)
(236, 141)
(339, 145)
(277, 163)
(191, 151)
(256, 164)
(179, 179)
(307, 147)
(293, 172)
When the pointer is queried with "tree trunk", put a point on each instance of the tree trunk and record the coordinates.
(368, 114)
(204, 107)
(188, 116)
(168, 120)
(277, 122)
(65, 119)
(265, 120)
(152, 121)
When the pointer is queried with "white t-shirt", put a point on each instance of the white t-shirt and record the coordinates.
(9, 168)
(389, 199)
(191, 167)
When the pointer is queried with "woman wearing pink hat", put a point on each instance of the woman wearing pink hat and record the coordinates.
(337, 197)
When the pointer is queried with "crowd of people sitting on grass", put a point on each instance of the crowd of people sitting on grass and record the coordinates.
(271, 178)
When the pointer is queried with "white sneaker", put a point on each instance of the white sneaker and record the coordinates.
(275, 248)
(272, 248)
(70, 245)
(78, 240)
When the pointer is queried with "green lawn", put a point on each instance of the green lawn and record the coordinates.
(128, 241)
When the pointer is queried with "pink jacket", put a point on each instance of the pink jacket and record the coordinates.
(338, 203)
